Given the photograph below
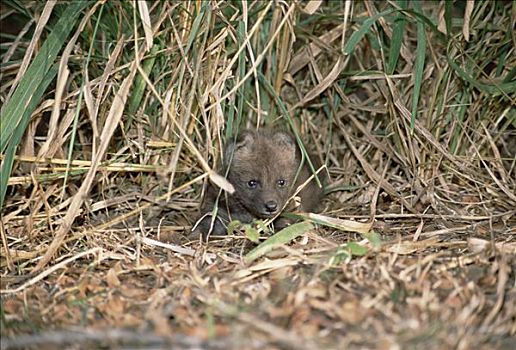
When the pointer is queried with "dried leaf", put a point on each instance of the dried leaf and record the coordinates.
(409, 247)
(221, 182)
(112, 278)
(147, 27)
(312, 6)
(467, 17)
(340, 224)
(325, 83)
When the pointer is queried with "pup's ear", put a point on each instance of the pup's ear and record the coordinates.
(240, 148)
(287, 142)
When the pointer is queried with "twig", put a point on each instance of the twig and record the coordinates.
(172, 247)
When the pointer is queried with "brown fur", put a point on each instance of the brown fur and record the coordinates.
(262, 168)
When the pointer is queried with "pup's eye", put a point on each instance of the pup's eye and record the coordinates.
(282, 183)
(252, 184)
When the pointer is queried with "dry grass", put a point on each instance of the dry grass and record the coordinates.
(114, 114)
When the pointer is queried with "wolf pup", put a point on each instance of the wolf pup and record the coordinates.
(262, 168)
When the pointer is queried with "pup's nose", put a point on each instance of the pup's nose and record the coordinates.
(271, 206)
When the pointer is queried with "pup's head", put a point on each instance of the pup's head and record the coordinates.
(262, 168)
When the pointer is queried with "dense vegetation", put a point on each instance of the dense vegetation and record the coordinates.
(114, 114)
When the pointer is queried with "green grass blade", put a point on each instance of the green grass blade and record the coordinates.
(463, 102)
(419, 66)
(7, 163)
(79, 103)
(428, 22)
(364, 29)
(196, 27)
(191, 39)
(282, 237)
(510, 76)
(448, 8)
(495, 89)
(397, 39)
(14, 109)
(347, 251)
(19, 6)
(18, 109)
(140, 84)
(231, 128)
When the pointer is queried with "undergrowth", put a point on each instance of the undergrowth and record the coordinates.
(114, 115)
